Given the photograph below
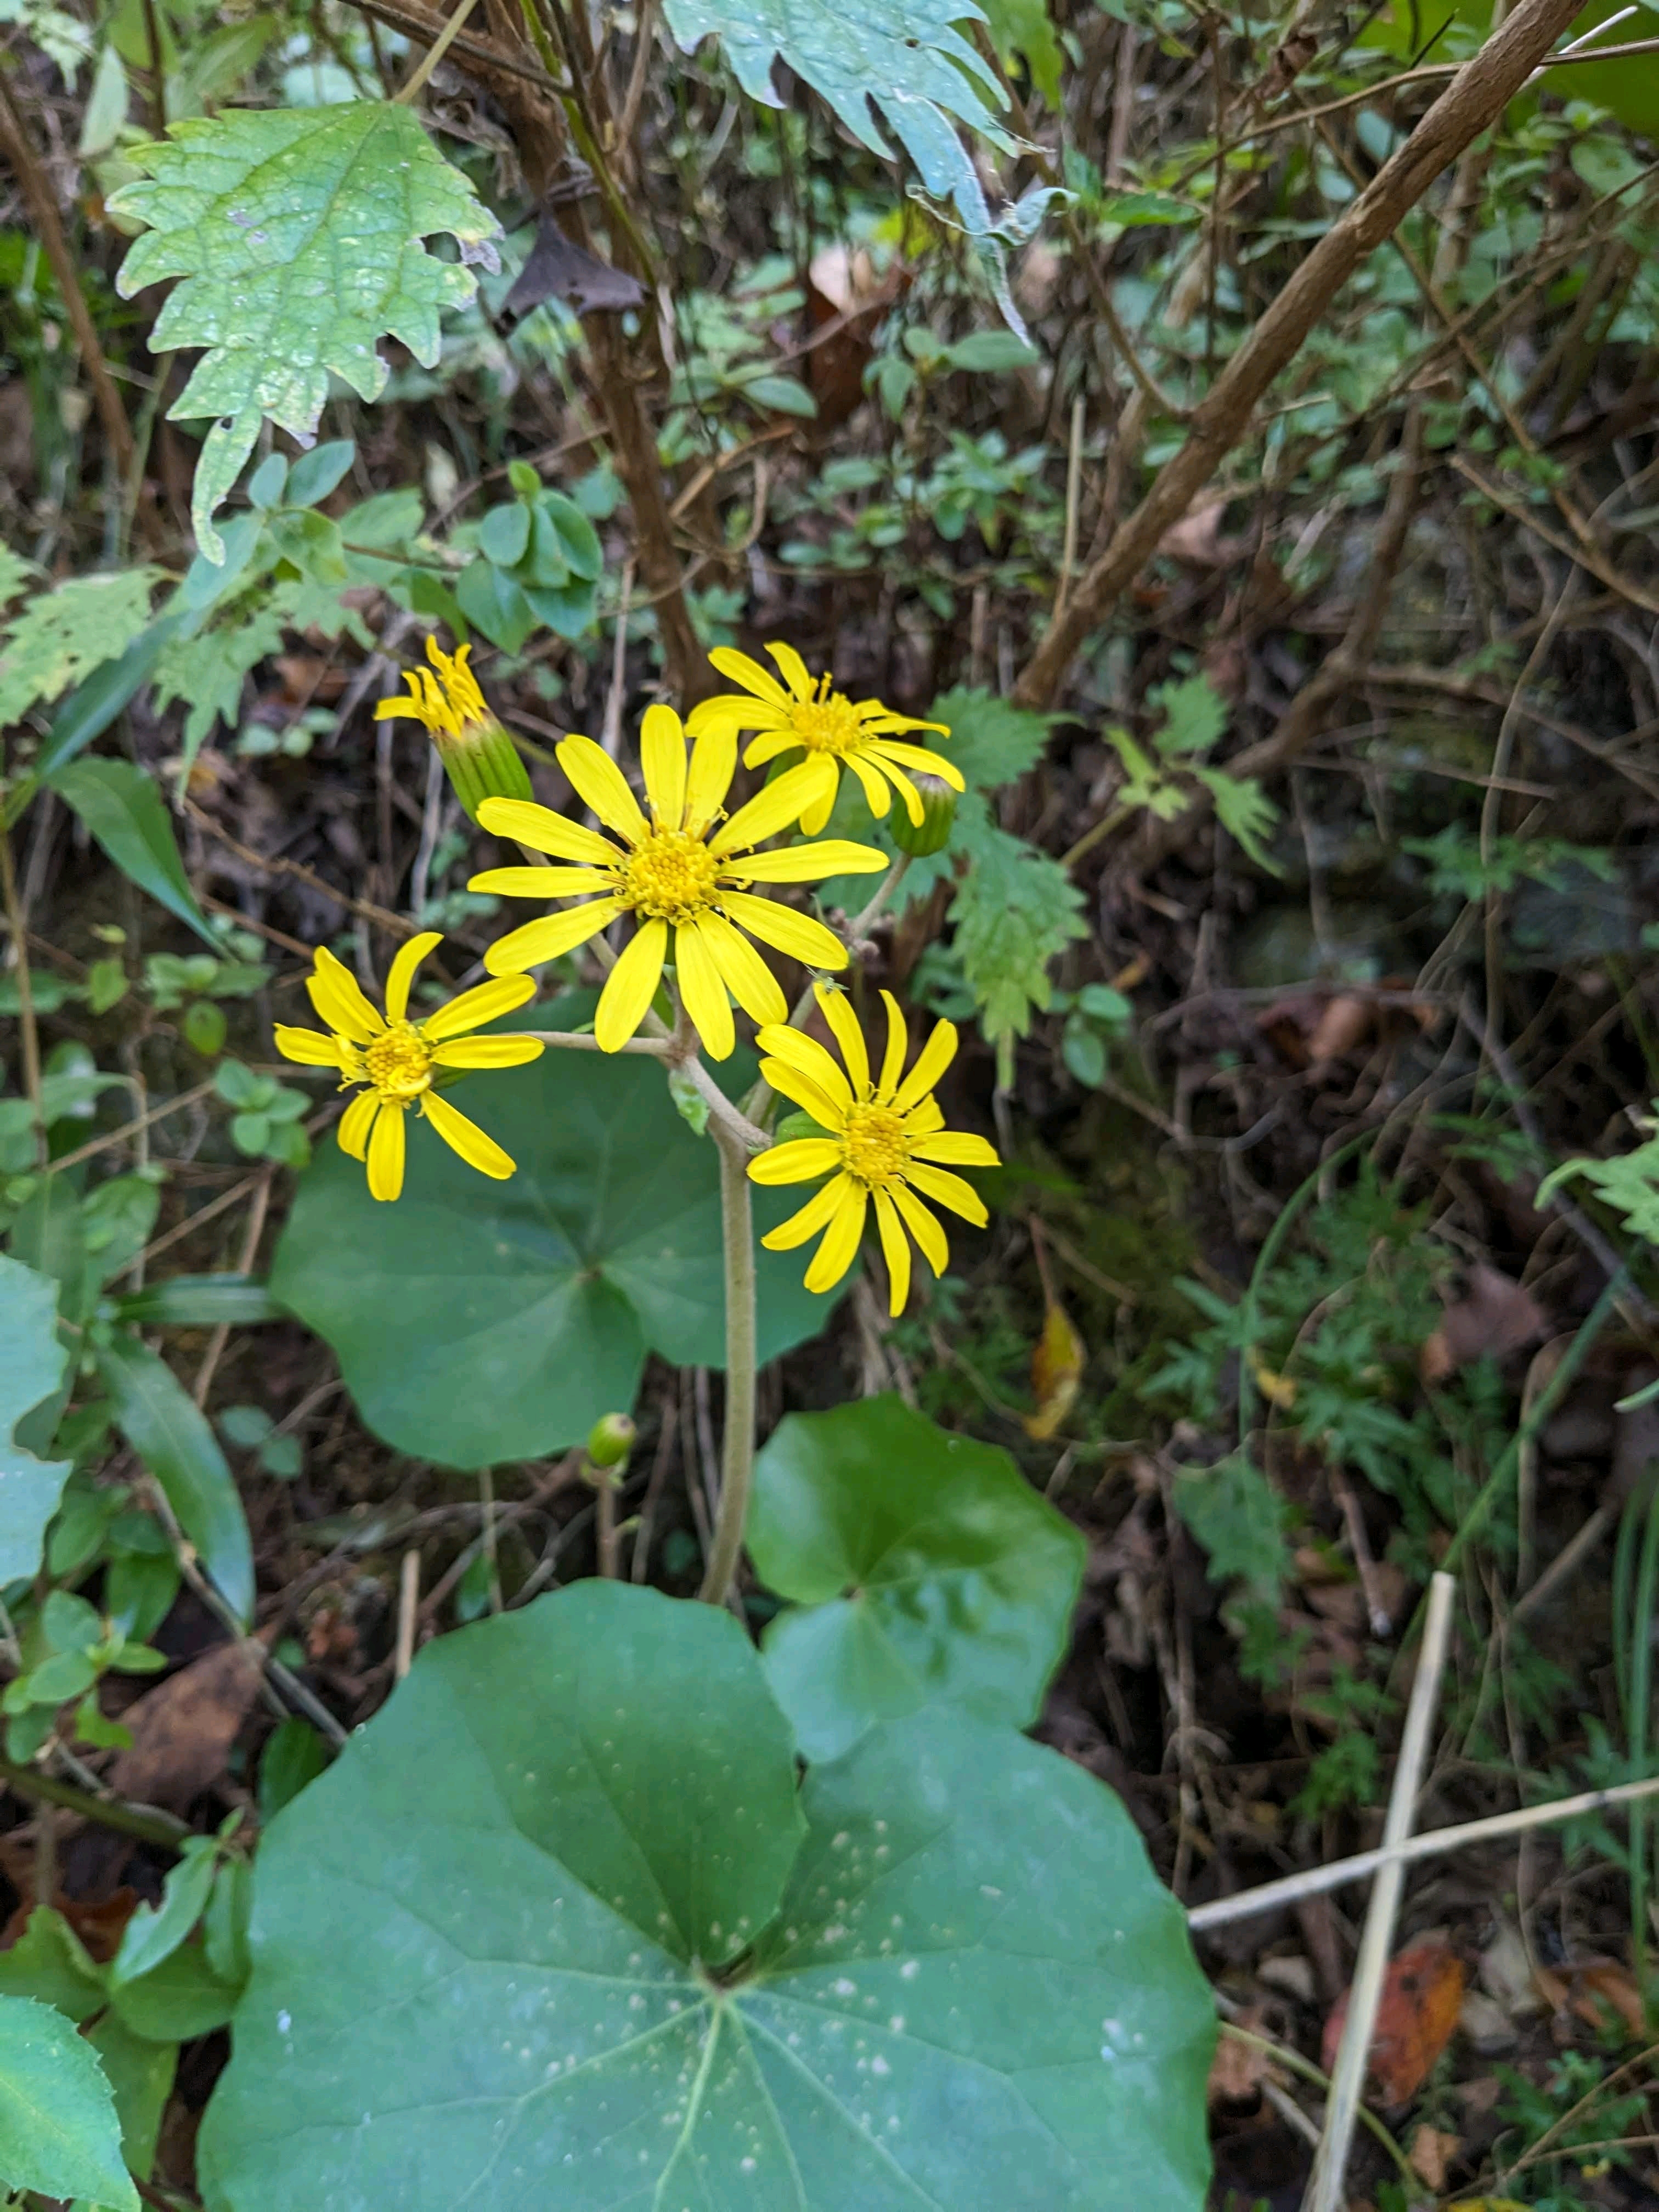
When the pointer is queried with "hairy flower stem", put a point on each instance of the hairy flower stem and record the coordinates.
(738, 1452)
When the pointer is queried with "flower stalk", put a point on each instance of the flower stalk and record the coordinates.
(737, 1444)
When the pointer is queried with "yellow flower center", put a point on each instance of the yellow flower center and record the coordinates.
(872, 1145)
(828, 724)
(398, 1064)
(669, 877)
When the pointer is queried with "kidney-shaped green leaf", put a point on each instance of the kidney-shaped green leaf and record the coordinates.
(924, 1566)
(556, 1929)
(477, 1321)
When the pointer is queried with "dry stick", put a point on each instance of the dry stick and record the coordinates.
(15, 145)
(409, 1598)
(1324, 2192)
(1475, 96)
(410, 91)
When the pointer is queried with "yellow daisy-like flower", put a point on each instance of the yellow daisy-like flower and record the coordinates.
(480, 759)
(400, 1059)
(683, 869)
(834, 732)
(887, 1143)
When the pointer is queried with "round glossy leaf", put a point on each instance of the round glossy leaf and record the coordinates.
(924, 1566)
(583, 1946)
(477, 1321)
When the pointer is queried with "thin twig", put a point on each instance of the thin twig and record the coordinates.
(1324, 2192)
(409, 1598)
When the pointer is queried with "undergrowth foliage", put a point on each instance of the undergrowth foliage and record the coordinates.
(494, 1077)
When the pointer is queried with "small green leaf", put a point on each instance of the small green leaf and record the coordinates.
(504, 533)
(49, 1961)
(153, 1934)
(59, 2129)
(297, 232)
(140, 2075)
(31, 1368)
(783, 395)
(317, 473)
(61, 636)
(170, 1433)
(178, 1998)
(294, 1756)
(926, 1568)
(1239, 1518)
(990, 352)
(122, 808)
(199, 1302)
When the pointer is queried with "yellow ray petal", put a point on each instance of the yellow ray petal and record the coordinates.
(536, 941)
(896, 1248)
(931, 1061)
(308, 1047)
(793, 670)
(774, 739)
(333, 990)
(544, 831)
(892, 1059)
(814, 1061)
(921, 762)
(955, 1148)
(542, 883)
(789, 1083)
(950, 1191)
(837, 1011)
(923, 1226)
(630, 987)
(467, 1138)
(819, 1209)
(876, 794)
(662, 756)
(749, 673)
(713, 765)
(703, 992)
(357, 1123)
(748, 978)
(816, 812)
(900, 783)
(840, 1240)
(386, 1153)
(799, 1161)
(925, 1120)
(810, 864)
(880, 721)
(785, 930)
(487, 1052)
(401, 974)
(484, 1002)
(595, 778)
(776, 806)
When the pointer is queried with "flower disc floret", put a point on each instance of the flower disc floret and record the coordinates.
(684, 872)
(885, 1144)
(399, 1062)
(832, 733)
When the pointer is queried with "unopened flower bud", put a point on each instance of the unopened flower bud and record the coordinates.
(610, 1440)
(938, 811)
(479, 758)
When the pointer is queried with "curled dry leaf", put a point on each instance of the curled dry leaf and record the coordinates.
(1422, 1997)
(1432, 2152)
(1239, 2068)
(1593, 1989)
(1056, 1373)
(1494, 1317)
(183, 1729)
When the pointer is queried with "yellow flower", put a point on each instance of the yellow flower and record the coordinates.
(480, 759)
(833, 731)
(682, 870)
(887, 1143)
(400, 1060)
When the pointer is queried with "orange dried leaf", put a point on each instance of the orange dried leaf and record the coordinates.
(1056, 1373)
(1422, 1997)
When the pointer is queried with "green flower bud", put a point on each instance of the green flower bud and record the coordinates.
(610, 1440)
(479, 758)
(938, 811)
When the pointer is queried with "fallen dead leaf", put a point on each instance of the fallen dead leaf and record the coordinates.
(1422, 1997)
(1056, 1373)
(183, 1729)
(1432, 2152)
(1487, 2025)
(1239, 2069)
(1494, 1317)
(1197, 537)
(1593, 1987)
(1347, 1021)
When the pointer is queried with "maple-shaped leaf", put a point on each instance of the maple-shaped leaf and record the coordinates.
(909, 56)
(298, 233)
(60, 637)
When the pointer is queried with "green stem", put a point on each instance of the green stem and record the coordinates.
(150, 1825)
(737, 1453)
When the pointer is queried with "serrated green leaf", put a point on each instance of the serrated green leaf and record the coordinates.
(59, 2129)
(644, 1971)
(924, 1567)
(15, 573)
(61, 636)
(991, 741)
(1015, 910)
(170, 1433)
(909, 56)
(1239, 1518)
(31, 1368)
(1194, 714)
(298, 234)
(122, 808)
(208, 670)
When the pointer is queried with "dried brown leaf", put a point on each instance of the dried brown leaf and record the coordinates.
(183, 1729)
